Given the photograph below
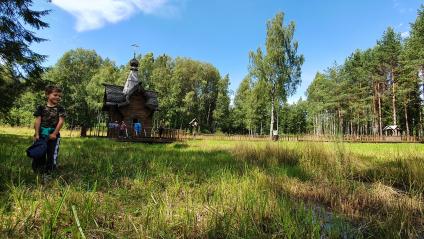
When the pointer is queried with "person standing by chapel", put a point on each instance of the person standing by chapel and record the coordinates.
(49, 119)
(137, 128)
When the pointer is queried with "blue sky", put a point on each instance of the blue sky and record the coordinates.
(220, 32)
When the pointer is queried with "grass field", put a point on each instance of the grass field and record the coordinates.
(213, 189)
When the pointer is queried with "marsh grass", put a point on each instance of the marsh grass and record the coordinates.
(209, 189)
(389, 203)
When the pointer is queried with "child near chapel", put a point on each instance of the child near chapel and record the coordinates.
(49, 119)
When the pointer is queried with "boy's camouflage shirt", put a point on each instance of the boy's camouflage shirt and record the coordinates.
(50, 115)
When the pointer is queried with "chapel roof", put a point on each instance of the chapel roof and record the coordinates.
(114, 96)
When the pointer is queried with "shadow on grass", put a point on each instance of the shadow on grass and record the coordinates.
(85, 161)
(181, 146)
(403, 174)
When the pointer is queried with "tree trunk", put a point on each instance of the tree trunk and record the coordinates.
(421, 123)
(420, 133)
(374, 110)
(209, 114)
(380, 127)
(405, 105)
(394, 99)
(271, 127)
(340, 122)
(261, 127)
(278, 117)
(72, 128)
(83, 131)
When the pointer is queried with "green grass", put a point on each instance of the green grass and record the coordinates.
(212, 189)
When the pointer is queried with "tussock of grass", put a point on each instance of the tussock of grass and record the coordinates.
(405, 173)
(389, 202)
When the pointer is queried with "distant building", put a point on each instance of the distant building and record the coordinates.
(392, 130)
(194, 122)
(130, 103)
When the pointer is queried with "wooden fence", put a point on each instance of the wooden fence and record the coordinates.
(313, 138)
(130, 133)
(175, 134)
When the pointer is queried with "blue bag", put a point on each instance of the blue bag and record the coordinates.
(45, 132)
(38, 149)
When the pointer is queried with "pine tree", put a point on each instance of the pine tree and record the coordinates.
(388, 51)
(18, 63)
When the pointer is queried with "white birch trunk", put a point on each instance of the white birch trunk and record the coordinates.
(394, 99)
(271, 127)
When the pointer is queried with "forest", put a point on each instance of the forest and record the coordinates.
(372, 89)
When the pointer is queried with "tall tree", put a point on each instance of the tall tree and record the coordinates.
(415, 43)
(107, 72)
(17, 61)
(74, 71)
(196, 88)
(388, 51)
(280, 67)
(322, 100)
(222, 110)
(295, 118)
(412, 65)
(241, 105)
(359, 92)
(146, 70)
(259, 109)
(168, 91)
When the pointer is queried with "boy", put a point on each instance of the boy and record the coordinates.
(49, 120)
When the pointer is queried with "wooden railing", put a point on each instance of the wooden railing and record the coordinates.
(360, 138)
(131, 133)
(176, 134)
(317, 138)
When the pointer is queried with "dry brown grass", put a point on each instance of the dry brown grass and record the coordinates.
(389, 200)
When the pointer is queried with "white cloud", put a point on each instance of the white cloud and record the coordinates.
(94, 14)
(404, 34)
(396, 3)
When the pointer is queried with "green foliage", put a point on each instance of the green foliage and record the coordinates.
(372, 89)
(78, 73)
(280, 67)
(17, 61)
(21, 114)
(388, 50)
(10, 89)
(186, 88)
(16, 39)
(222, 111)
(258, 108)
(241, 104)
(294, 118)
(107, 73)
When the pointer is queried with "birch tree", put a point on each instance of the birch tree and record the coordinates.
(280, 65)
